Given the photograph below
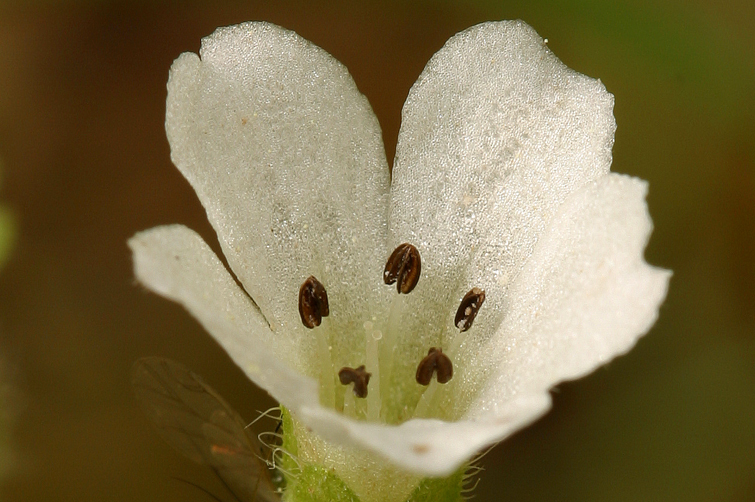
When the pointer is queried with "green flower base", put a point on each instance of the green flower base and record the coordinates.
(311, 482)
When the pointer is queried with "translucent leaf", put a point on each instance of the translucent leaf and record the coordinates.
(197, 422)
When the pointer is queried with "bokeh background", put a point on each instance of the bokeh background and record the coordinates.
(85, 164)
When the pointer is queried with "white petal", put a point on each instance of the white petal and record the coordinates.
(176, 263)
(426, 446)
(287, 158)
(585, 295)
(495, 134)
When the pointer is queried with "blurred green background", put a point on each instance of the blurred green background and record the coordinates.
(86, 164)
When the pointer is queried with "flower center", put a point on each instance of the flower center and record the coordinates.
(403, 268)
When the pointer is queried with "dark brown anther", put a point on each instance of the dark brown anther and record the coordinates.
(313, 302)
(359, 377)
(468, 309)
(403, 267)
(434, 362)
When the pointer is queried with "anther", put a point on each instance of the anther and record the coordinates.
(359, 377)
(468, 308)
(434, 362)
(313, 302)
(403, 267)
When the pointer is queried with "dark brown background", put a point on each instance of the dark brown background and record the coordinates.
(85, 164)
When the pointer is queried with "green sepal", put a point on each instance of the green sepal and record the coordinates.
(308, 483)
(441, 489)
(316, 484)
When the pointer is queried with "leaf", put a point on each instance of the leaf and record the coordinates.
(200, 424)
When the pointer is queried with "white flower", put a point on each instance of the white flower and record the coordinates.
(502, 183)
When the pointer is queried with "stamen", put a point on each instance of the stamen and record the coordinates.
(434, 362)
(372, 345)
(468, 309)
(313, 302)
(403, 267)
(359, 377)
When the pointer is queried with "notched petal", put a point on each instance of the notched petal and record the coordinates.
(426, 446)
(175, 262)
(272, 133)
(585, 296)
(496, 133)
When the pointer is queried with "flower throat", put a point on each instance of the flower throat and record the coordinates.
(403, 268)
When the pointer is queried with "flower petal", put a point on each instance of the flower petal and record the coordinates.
(287, 158)
(495, 134)
(176, 263)
(427, 446)
(585, 296)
